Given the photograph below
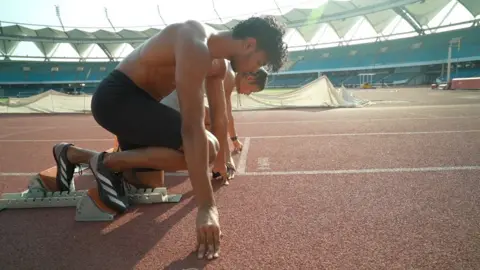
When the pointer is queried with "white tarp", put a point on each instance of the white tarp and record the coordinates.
(319, 93)
(50, 101)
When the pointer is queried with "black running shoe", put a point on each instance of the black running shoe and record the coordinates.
(65, 168)
(111, 187)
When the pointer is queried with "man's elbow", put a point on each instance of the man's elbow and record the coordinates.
(191, 130)
(220, 123)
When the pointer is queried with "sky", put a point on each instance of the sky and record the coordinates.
(140, 12)
(89, 15)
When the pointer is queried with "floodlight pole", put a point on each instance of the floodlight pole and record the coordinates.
(456, 42)
(307, 47)
(57, 11)
(160, 15)
(109, 21)
(75, 46)
(216, 12)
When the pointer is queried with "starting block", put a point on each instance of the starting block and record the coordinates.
(37, 198)
(86, 208)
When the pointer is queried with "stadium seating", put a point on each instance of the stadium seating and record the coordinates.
(42, 72)
(415, 50)
(397, 61)
(291, 81)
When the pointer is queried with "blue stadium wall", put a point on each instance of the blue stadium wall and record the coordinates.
(408, 61)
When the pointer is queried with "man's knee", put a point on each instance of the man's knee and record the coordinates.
(213, 147)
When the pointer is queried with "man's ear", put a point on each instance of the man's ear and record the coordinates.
(250, 44)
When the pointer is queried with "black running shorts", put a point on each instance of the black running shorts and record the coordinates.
(137, 119)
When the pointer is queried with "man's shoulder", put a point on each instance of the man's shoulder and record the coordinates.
(199, 26)
(229, 74)
(218, 69)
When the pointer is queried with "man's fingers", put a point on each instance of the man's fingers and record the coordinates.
(216, 240)
(201, 238)
(211, 248)
(209, 243)
(239, 147)
(201, 251)
(230, 171)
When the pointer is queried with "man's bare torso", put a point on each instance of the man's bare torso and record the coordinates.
(152, 65)
(229, 81)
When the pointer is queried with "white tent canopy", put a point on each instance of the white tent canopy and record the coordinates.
(317, 94)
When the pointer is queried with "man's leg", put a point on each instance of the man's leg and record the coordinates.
(154, 157)
(148, 178)
(135, 117)
(104, 165)
(145, 179)
(67, 156)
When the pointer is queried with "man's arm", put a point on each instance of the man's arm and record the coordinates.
(193, 60)
(192, 63)
(218, 114)
(231, 121)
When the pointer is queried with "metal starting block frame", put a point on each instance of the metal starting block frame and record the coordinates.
(86, 210)
(39, 198)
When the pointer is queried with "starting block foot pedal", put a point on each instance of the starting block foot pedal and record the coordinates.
(91, 208)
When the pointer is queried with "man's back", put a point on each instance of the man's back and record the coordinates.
(152, 64)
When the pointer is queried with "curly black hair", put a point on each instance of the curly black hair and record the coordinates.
(268, 32)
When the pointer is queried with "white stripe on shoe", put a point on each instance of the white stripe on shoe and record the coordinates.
(63, 172)
(117, 201)
(105, 183)
(109, 189)
(104, 179)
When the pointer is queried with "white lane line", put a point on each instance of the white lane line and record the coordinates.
(366, 134)
(315, 172)
(242, 162)
(285, 136)
(364, 171)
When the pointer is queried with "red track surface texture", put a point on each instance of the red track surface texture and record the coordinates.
(373, 188)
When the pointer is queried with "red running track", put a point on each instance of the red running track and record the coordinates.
(366, 189)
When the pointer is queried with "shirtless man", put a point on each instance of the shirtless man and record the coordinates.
(243, 83)
(191, 58)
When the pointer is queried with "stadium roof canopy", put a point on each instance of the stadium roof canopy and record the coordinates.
(326, 23)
